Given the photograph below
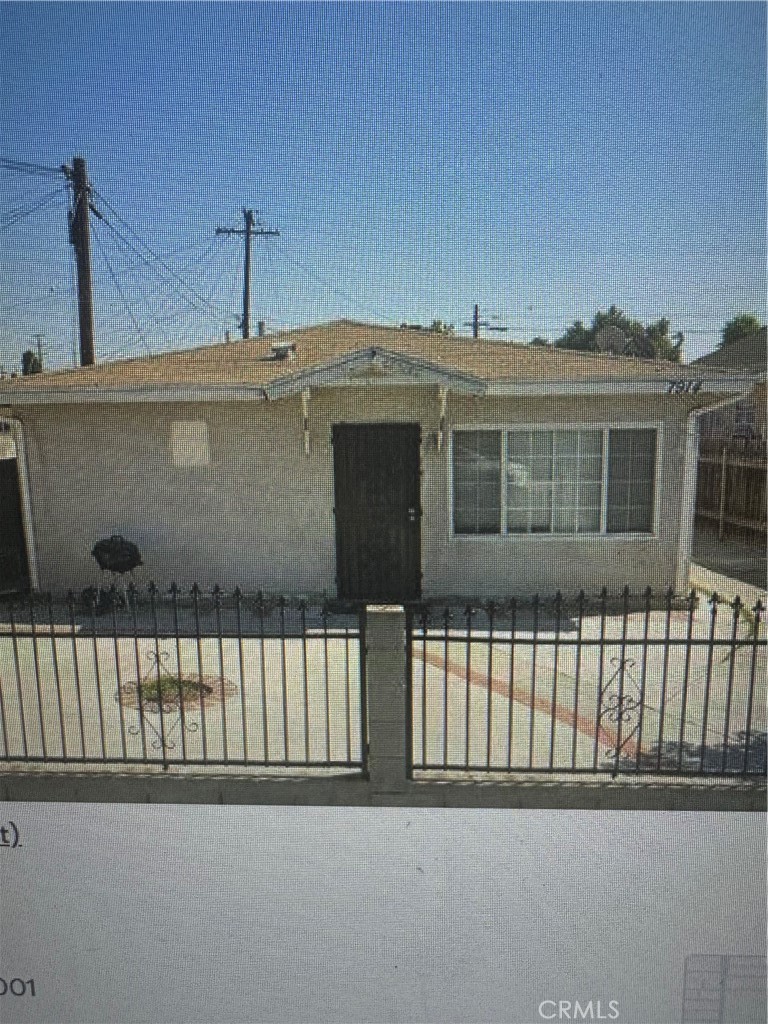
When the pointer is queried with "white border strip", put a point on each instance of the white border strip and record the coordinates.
(286, 387)
(688, 508)
(158, 393)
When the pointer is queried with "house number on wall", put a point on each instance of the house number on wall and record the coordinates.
(683, 387)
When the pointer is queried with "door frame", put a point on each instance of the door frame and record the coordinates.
(17, 434)
(383, 424)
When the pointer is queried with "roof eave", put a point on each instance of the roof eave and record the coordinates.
(144, 393)
(397, 370)
(626, 385)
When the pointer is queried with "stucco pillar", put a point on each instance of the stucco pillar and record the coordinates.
(386, 697)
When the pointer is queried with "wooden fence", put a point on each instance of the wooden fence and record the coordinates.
(731, 489)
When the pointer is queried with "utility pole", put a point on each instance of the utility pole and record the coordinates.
(476, 323)
(252, 227)
(39, 339)
(80, 237)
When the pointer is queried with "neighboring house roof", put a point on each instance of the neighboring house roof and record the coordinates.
(747, 353)
(346, 352)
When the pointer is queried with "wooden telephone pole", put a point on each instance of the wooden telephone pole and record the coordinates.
(79, 236)
(476, 323)
(252, 227)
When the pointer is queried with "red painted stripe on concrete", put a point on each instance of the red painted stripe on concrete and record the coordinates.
(501, 687)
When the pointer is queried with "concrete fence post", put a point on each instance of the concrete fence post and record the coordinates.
(385, 669)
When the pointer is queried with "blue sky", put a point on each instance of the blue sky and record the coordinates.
(544, 160)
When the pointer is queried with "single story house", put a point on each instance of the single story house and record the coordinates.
(361, 461)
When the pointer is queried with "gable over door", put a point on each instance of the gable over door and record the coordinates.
(14, 570)
(378, 511)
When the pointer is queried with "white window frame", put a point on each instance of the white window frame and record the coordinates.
(504, 535)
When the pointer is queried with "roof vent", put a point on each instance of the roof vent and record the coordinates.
(284, 350)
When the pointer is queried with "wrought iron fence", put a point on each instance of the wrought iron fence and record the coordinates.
(141, 676)
(635, 684)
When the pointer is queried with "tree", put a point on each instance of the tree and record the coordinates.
(664, 346)
(740, 327)
(578, 337)
(613, 331)
(441, 327)
(30, 363)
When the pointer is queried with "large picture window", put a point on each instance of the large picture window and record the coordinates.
(598, 480)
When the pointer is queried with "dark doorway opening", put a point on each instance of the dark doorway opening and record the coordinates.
(378, 511)
(14, 567)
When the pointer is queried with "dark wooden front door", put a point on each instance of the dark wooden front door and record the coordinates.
(378, 511)
(14, 572)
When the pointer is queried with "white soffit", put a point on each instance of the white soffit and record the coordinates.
(154, 393)
(654, 386)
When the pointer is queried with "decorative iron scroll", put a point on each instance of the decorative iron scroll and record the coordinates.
(193, 693)
(617, 705)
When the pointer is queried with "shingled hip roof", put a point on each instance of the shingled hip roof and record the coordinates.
(349, 352)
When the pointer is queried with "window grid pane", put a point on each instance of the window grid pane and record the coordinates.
(554, 481)
(631, 479)
(477, 482)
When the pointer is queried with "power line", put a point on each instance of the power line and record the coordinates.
(130, 270)
(22, 215)
(165, 315)
(148, 262)
(199, 260)
(338, 291)
(21, 198)
(20, 167)
(183, 322)
(149, 249)
(120, 292)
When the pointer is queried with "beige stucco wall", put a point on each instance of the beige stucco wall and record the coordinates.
(261, 514)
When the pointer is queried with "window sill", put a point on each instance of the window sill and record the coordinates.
(549, 537)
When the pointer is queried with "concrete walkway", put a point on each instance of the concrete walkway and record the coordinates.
(735, 560)
(596, 704)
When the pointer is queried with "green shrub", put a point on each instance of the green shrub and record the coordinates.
(169, 687)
